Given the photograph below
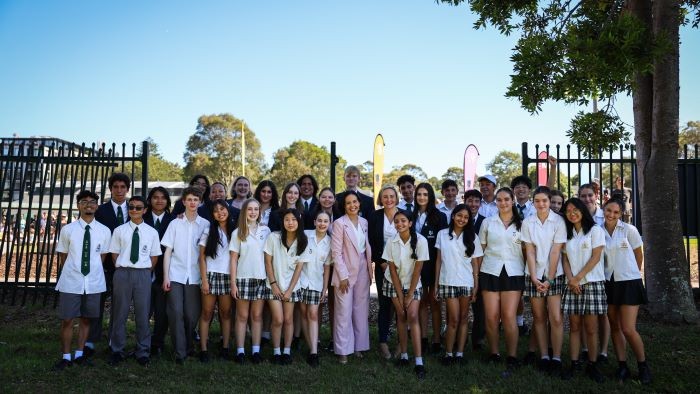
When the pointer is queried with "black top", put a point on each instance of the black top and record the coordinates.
(204, 211)
(167, 218)
(105, 215)
(375, 234)
(366, 204)
(477, 225)
(430, 233)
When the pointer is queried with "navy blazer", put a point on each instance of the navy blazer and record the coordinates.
(477, 225)
(309, 216)
(430, 231)
(167, 218)
(105, 215)
(204, 211)
(375, 234)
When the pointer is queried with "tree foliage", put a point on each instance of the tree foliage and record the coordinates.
(215, 150)
(689, 135)
(505, 166)
(303, 157)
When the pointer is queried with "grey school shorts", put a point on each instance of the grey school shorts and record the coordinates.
(72, 305)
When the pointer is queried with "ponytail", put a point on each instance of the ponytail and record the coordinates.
(414, 241)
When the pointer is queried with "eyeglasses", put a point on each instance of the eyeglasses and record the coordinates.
(87, 202)
(573, 212)
(136, 207)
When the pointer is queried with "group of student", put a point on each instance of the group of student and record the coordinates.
(269, 264)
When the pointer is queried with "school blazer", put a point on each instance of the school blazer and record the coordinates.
(477, 224)
(366, 204)
(309, 217)
(167, 218)
(430, 234)
(105, 215)
(346, 255)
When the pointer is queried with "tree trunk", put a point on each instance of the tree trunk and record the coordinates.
(656, 103)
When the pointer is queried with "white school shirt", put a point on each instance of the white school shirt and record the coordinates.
(447, 211)
(149, 245)
(284, 261)
(420, 221)
(265, 216)
(318, 255)
(251, 259)
(389, 230)
(599, 217)
(125, 210)
(619, 252)
(543, 236)
(183, 236)
(456, 268)
(579, 250)
(400, 253)
(503, 248)
(488, 209)
(221, 263)
(528, 210)
(360, 237)
(70, 241)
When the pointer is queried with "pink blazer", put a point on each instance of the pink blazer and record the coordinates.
(346, 253)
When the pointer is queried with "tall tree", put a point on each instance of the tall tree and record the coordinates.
(215, 150)
(505, 166)
(572, 51)
(303, 157)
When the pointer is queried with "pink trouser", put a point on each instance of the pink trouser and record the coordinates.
(351, 325)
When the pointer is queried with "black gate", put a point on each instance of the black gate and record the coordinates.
(39, 178)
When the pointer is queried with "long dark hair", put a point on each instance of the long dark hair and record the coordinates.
(587, 221)
(150, 196)
(300, 236)
(213, 239)
(468, 234)
(412, 230)
(275, 201)
(516, 215)
(343, 196)
(205, 194)
(433, 214)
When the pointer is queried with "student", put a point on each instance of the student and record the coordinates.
(218, 192)
(428, 221)
(556, 201)
(544, 235)
(181, 275)
(380, 230)
(584, 297)
(352, 180)
(290, 200)
(200, 182)
(215, 271)
(159, 217)
(284, 255)
(135, 248)
(487, 186)
(266, 195)
(405, 254)
(521, 186)
(472, 198)
(112, 214)
(352, 275)
(314, 281)
(457, 268)
(502, 275)
(240, 191)
(624, 288)
(82, 247)
(449, 192)
(308, 188)
(248, 268)
(407, 187)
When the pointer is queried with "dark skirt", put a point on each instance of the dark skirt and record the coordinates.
(626, 292)
(427, 274)
(488, 282)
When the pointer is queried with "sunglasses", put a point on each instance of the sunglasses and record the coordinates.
(136, 207)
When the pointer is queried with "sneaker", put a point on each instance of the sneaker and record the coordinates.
(523, 330)
(543, 365)
(61, 365)
(530, 358)
(644, 373)
(115, 359)
(143, 361)
(82, 361)
(494, 358)
(286, 359)
(555, 368)
(420, 371)
(593, 373)
(257, 359)
(447, 360)
(204, 356)
(312, 360)
(622, 373)
(240, 358)
(402, 362)
(602, 359)
(435, 348)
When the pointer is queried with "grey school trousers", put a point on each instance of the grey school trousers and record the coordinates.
(131, 284)
(184, 307)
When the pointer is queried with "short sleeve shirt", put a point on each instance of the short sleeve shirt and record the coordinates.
(220, 263)
(619, 252)
(70, 241)
(399, 253)
(503, 248)
(251, 258)
(284, 261)
(456, 267)
(579, 250)
(543, 236)
(149, 245)
(183, 236)
(318, 255)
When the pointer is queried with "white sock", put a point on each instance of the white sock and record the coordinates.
(256, 348)
(519, 319)
(240, 350)
(460, 354)
(585, 349)
(78, 353)
(419, 360)
(448, 354)
(90, 345)
(545, 357)
(556, 358)
(604, 354)
(276, 351)
(265, 334)
(66, 356)
(287, 350)
(404, 356)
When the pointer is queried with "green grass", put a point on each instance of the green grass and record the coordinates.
(29, 347)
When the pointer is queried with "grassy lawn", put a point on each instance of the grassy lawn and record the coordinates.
(29, 347)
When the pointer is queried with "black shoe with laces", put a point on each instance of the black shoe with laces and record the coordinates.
(286, 359)
(555, 368)
(622, 373)
(420, 371)
(593, 373)
(602, 359)
(62, 364)
(204, 356)
(530, 358)
(240, 358)
(644, 373)
(83, 361)
(256, 358)
(402, 362)
(447, 360)
(312, 360)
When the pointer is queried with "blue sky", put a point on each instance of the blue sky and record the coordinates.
(321, 71)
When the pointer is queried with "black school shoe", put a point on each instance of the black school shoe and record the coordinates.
(116, 359)
(277, 359)
(88, 351)
(543, 365)
(83, 361)
(460, 360)
(61, 365)
(602, 359)
(447, 360)
(555, 368)
(644, 373)
(256, 358)
(286, 359)
(420, 371)
(143, 361)
(622, 373)
(530, 358)
(402, 362)
(204, 356)
(312, 360)
(493, 358)
(593, 373)
(512, 364)
(240, 358)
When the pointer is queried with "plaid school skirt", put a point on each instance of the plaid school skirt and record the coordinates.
(445, 292)
(310, 297)
(556, 289)
(591, 301)
(390, 291)
(251, 289)
(219, 284)
(296, 295)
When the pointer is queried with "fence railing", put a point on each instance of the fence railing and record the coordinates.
(39, 178)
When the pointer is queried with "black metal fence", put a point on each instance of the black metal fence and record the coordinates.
(576, 166)
(39, 178)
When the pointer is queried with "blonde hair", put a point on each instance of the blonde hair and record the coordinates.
(243, 220)
(383, 189)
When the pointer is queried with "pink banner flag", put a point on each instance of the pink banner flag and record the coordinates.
(542, 169)
(471, 156)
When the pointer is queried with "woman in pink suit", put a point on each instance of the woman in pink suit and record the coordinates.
(352, 257)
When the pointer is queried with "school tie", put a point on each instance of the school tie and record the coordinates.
(120, 215)
(157, 226)
(135, 246)
(306, 207)
(521, 209)
(85, 259)
(409, 207)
